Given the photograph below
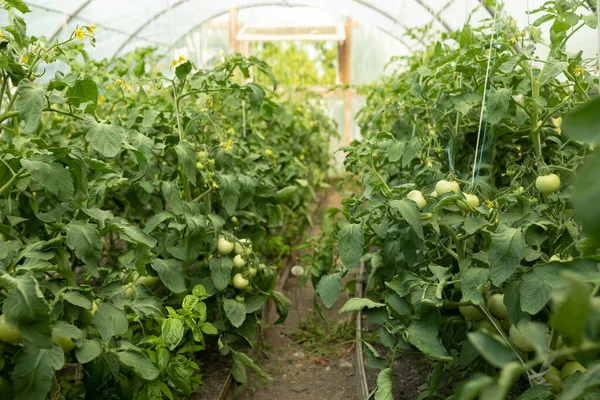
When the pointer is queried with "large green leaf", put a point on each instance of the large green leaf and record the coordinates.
(576, 386)
(220, 271)
(572, 307)
(110, 321)
(496, 353)
(34, 369)
(423, 335)
(187, 158)
(19, 5)
(587, 193)
(584, 123)
(89, 350)
(384, 385)
(329, 288)
(84, 239)
(170, 273)
(140, 364)
(499, 102)
(408, 210)
(53, 177)
(351, 241)
(83, 91)
(505, 254)
(30, 104)
(552, 69)
(235, 312)
(357, 304)
(106, 139)
(229, 189)
(473, 281)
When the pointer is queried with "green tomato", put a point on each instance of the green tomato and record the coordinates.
(200, 166)
(471, 202)
(554, 378)
(547, 184)
(519, 340)
(443, 187)
(8, 334)
(496, 305)
(570, 368)
(417, 197)
(239, 298)
(65, 342)
(201, 155)
(239, 282)
(129, 292)
(94, 308)
(484, 325)
(235, 220)
(148, 281)
(470, 313)
(251, 272)
(238, 261)
(224, 246)
(242, 246)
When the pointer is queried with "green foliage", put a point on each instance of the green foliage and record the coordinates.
(436, 269)
(116, 183)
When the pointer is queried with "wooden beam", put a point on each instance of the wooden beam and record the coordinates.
(345, 63)
(233, 30)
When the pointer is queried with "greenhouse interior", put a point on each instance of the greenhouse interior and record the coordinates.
(299, 199)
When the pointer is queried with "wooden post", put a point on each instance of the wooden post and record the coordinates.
(345, 62)
(233, 30)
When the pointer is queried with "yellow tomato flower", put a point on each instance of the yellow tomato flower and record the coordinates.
(513, 40)
(268, 152)
(214, 185)
(579, 70)
(227, 145)
(25, 58)
(489, 204)
(91, 28)
(79, 34)
(2, 36)
(101, 99)
(311, 124)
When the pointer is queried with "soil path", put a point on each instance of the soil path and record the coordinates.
(299, 374)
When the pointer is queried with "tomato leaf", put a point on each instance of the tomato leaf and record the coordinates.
(84, 239)
(409, 211)
(89, 350)
(235, 312)
(329, 288)
(106, 139)
(505, 254)
(34, 369)
(496, 353)
(571, 306)
(423, 335)
(110, 321)
(499, 102)
(53, 177)
(30, 104)
(351, 242)
(170, 273)
(139, 363)
(220, 271)
(357, 304)
(384, 385)
(584, 123)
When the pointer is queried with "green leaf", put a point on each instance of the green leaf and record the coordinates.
(374, 360)
(235, 312)
(104, 138)
(30, 103)
(240, 362)
(505, 254)
(552, 69)
(187, 159)
(172, 332)
(329, 288)
(587, 193)
(53, 177)
(64, 329)
(499, 102)
(357, 304)
(19, 5)
(99, 215)
(183, 70)
(209, 329)
(25, 302)
(88, 351)
(132, 233)
(473, 281)
(110, 321)
(34, 369)
(591, 20)
(83, 91)
(220, 271)
(407, 209)
(384, 385)
(423, 335)
(146, 306)
(572, 307)
(256, 95)
(576, 386)
(351, 241)
(493, 351)
(84, 239)
(229, 189)
(583, 124)
(140, 364)
(170, 273)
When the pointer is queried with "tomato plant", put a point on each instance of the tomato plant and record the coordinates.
(464, 272)
(124, 194)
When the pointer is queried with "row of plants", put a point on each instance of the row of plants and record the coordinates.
(478, 229)
(143, 217)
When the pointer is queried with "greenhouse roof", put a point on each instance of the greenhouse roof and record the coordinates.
(126, 24)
